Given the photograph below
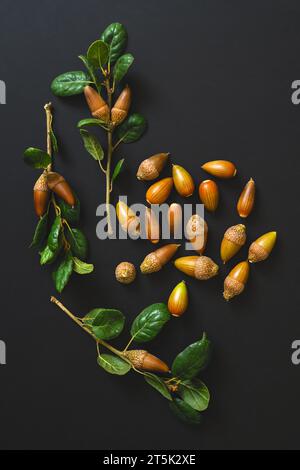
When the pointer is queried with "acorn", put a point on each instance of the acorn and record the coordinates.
(178, 300)
(128, 220)
(220, 168)
(41, 195)
(199, 267)
(157, 259)
(96, 103)
(234, 283)
(125, 272)
(261, 248)
(59, 186)
(196, 232)
(152, 226)
(183, 181)
(121, 107)
(150, 168)
(145, 361)
(175, 219)
(246, 200)
(233, 240)
(159, 192)
(209, 195)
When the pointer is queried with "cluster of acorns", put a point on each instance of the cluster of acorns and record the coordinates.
(200, 267)
(47, 182)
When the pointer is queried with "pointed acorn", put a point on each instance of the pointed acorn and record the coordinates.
(199, 267)
(128, 220)
(150, 168)
(152, 226)
(143, 360)
(159, 192)
(236, 280)
(96, 103)
(59, 186)
(183, 181)
(175, 219)
(41, 195)
(121, 106)
(220, 168)
(178, 300)
(233, 240)
(209, 195)
(157, 259)
(261, 248)
(246, 200)
(197, 232)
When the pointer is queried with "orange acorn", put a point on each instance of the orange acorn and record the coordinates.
(96, 103)
(145, 361)
(234, 283)
(150, 168)
(183, 181)
(175, 218)
(178, 300)
(121, 106)
(209, 195)
(246, 200)
(41, 195)
(196, 232)
(157, 259)
(199, 267)
(128, 220)
(261, 248)
(220, 168)
(59, 186)
(159, 192)
(152, 226)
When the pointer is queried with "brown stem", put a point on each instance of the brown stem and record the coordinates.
(47, 108)
(109, 157)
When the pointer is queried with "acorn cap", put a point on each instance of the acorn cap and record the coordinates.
(235, 281)
(143, 360)
(236, 234)
(205, 268)
(261, 248)
(157, 259)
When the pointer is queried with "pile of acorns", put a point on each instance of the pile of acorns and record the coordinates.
(200, 267)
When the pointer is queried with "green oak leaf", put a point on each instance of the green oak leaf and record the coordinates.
(115, 36)
(91, 122)
(92, 72)
(113, 364)
(36, 158)
(92, 145)
(117, 170)
(185, 412)
(105, 323)
(70, 83)
(40, 231)
(158, 384)
(194, 393)
(80, 267)
(192, 359)
(54, 235)
(78, 242)
(132, 129)
(149, 322)
(63, 273)
(69, 213)
(98, 54)
(47, 256)
(122, 65)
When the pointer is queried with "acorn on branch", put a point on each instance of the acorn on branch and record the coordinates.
(143, 360)
(121, 107)
(96, 103)
(59, 186)
(41, 195)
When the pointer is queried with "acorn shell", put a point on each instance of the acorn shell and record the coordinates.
(178, 300)
(199, 267)
(220, 168)
(98, 107)
(261, 248)
(183, 181)
(233, 240)
(59, 186)
(246, 200)
(121, 106)
(159, 192)
(41, 195)
(150, 168)
(234, 283)
(155, 260)
(209, 195)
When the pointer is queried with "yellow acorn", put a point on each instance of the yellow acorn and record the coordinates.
(150, 168)
(121, 106)
(199, 267)
(157, 259)
(209, 195)
(220, 168)
(175, 218)
(246, 200)
(261, 248)
(128, 220)
(196, 232)
(96, 103)
(234, 283)
(233, 240)
(183, 181)
(178, 300)
(159, 192)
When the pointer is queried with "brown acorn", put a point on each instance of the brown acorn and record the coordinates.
(220, 168)
(125, 272)
(150, 168)
(209, 195)
(175, 218)
(143, 360)
(183, 181)
(41, 195)
(128, 220)
(199, 267)
(233, 240)
(159, 192)
(96, 103)
(234, 283)
(261, 248)
(152, 226)
(196, 232)
(246, 200)
(121, 106)
(59, 186)
(157, 259)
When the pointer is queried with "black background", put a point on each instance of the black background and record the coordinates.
(214, 80)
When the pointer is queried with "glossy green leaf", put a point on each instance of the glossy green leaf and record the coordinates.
(122, 65)
(194, 393)
(91, 122)
(105, 323)
(98, 53)
(80, 267)
(132, 129)
(69, 213)
(193, 359)
(149, 322)
(63, 273)
(185, 412)
(53, 141)
(47, 256)
(91, 71)
(115, 35)
(78, 242)
(158, 384)
(36, 158)
(113, 364)
(70, 83)
(40, 231)
(92, 145)
(117, 170)
(53, 237)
